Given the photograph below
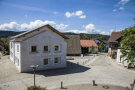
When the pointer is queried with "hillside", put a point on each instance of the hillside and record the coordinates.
(83, 36)
(6, 34)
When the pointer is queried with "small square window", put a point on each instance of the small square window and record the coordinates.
(33, 48)
(56, 47)
(56, 60)
(46, 48)
(46, 61)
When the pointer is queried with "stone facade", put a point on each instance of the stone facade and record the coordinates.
(22, 55)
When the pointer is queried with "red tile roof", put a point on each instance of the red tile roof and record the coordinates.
(114, 37)
(88, 43)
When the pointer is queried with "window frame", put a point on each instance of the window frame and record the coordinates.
(47, 61)
(32, 48)
(58, 47)
(58, 60)
(48, 48)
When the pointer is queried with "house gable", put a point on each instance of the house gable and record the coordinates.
(34, 32)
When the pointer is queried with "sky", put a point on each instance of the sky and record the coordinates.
(78, 16)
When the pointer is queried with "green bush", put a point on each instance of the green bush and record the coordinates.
(35, 88)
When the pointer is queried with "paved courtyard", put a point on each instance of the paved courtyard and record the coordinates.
(82, 70)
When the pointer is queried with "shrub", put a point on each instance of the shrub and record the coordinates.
(35, 88)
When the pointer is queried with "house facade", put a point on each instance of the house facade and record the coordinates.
(105, 44)
(86, 44)
(114, 48)
(44, 46)
(114, 43)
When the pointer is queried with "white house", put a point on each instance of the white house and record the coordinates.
(44, 46)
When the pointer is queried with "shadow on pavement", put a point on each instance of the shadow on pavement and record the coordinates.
(70, 69)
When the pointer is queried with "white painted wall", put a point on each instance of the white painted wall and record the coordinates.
(47, 37)
(121, 60)
(14, 54)
(95, 50)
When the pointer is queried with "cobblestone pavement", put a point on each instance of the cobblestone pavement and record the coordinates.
(100, 68)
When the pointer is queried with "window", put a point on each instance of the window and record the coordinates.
(56, 60)
(56, 47)
(17, 48)
(46, 61)
(33, 48)
(46, 48)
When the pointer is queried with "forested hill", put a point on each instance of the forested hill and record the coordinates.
(83, 36)
(7, 34)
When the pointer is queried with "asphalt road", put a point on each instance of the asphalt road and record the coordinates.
(100, 68)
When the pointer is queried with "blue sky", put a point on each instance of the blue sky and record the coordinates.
(88, 16)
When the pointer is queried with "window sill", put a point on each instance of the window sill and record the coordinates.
(33, 52)
(57, 51)
(46, 51)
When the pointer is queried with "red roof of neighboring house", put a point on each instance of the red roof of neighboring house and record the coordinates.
(88, 43)
(114, 37)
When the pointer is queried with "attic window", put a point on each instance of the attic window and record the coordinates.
(56, 47)
(33, 48)
(46, 48)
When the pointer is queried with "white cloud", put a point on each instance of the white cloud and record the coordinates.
(61, 26)
(77, 13)
(83, 16)
(123, 2)
(9, 26)
(77, 31)
(13, 26)
(90, 28)
(114, 10)
(121, 8)
(68, 14)
(24, 26)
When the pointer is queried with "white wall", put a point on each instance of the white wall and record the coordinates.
(121, 60)
(14, 54)
(47, 37)
(95, 50)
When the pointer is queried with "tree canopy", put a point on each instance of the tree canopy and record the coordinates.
(101, 46)
(128, 44)
(92, 49)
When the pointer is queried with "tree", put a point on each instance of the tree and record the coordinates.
(6, 45)
(101, 46)
(128, 44)
(92, 49)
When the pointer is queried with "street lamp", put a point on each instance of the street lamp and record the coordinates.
(34, 71)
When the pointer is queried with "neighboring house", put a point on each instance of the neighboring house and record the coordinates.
(1, 45)
(73, 45)
(44, 46)
(114, 48)
(97, 41)
(114, 43)
(106, 45)
(86, 44)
